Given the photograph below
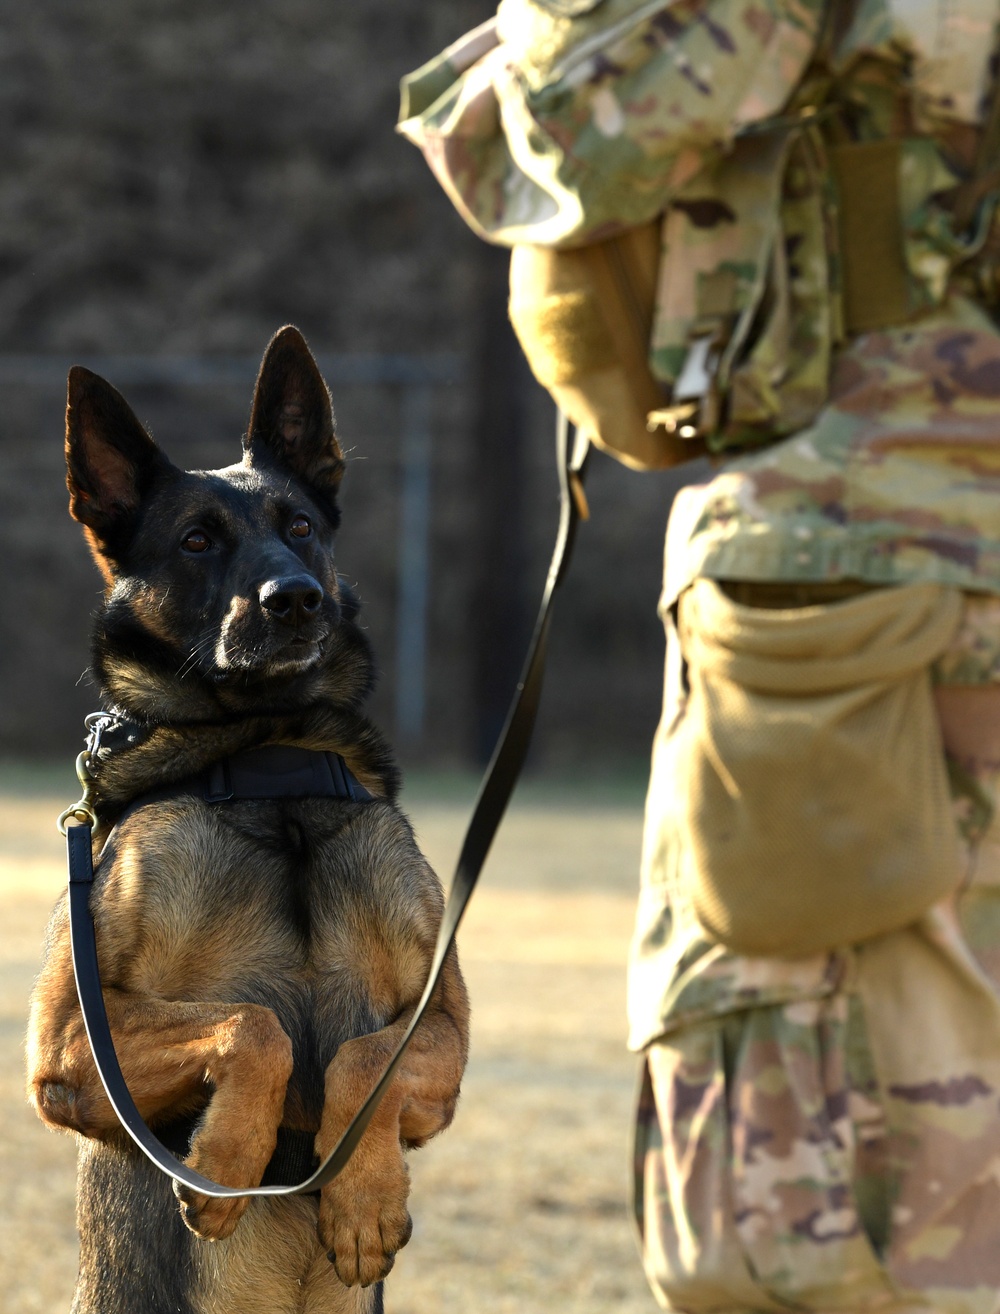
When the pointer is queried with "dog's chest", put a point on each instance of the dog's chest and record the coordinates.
(254, 899)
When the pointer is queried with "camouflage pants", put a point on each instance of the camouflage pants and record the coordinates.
(831, 1154)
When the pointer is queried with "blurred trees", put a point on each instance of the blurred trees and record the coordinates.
(180, 178)
(177, 176)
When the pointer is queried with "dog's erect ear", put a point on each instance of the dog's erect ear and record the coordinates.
(291, 421)
(111, 461)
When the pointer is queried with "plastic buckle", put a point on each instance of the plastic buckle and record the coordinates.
(697, 375)
(694, 408)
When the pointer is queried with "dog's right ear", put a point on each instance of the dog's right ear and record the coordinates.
(111, 461)
(291, 419)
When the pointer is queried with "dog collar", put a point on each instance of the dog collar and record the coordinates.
(269, 771)
(274, 771)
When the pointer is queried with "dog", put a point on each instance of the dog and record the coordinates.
(260, 957)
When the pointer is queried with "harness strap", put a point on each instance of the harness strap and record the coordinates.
(294, 1158)
(494, 795)
(280, 771)
(273, 771)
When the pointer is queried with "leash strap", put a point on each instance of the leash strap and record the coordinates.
(491, 803)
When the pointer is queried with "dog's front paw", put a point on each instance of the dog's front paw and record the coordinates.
(210, 1218)
(363, 1219)
(224, 1162)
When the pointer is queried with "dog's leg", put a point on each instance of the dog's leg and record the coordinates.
(176, 1058)
(363, 1219)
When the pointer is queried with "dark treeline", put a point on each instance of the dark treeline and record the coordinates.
(180, 179)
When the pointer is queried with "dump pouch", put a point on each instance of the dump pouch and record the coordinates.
(583, 318)
(808, 775)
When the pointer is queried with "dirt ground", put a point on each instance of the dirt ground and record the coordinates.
(521, 1206)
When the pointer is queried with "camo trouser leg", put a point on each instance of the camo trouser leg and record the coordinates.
(778, 1164)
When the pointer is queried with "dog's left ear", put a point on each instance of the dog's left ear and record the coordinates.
(291, 420)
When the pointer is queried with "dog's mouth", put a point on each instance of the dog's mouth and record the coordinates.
(263, 662)
(299, 656)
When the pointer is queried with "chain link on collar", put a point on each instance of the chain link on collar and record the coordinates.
(109, 733)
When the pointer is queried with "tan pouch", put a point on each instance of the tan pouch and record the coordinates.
(583, 318)
(698, 327)
(808, 772)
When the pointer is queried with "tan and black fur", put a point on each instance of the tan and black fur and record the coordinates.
(259, 960)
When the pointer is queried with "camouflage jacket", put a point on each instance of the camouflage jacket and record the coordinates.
(744, 132)
(897, 480)
(562, 120)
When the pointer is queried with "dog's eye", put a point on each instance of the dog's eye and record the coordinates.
(300, 527)
(196, 541)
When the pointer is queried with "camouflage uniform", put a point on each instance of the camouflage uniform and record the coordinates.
(813, 1133)
(821, 1132)
(556, 129)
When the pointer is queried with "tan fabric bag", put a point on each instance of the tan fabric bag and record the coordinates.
(809, 775)
(583, 318)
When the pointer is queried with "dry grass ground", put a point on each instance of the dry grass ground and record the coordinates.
(521, 1206)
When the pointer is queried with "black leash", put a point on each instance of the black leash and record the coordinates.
(494, 795)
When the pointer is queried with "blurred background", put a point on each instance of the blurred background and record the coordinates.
(180, 179)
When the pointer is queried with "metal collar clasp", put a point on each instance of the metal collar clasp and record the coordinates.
(82, 811)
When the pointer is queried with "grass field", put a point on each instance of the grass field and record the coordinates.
(521, 1206)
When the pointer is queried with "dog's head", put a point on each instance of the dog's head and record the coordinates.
(221, 593)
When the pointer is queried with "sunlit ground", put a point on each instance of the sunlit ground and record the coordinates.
(521, 1207)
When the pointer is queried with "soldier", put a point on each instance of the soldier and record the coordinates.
(815, 978)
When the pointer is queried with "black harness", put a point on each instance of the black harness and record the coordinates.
(272, 771)
(303, 773)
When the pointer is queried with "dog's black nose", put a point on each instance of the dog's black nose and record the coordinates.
(293, 600)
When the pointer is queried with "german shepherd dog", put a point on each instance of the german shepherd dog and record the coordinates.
(260, 959)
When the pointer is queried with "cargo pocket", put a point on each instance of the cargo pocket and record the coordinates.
(691, 1251)
(761, 1168)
